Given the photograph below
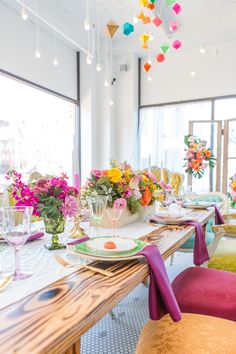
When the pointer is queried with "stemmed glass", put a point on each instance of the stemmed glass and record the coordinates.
(114, 215)
(3, 203)
(16, 230)
(97, 206)
(180, 200)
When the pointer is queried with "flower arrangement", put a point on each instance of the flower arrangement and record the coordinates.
(232, 193)
(51, 198)
(136, 188)
(198, 156)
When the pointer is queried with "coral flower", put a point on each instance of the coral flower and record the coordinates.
(147, 197)
(233, 186)
(207, 153)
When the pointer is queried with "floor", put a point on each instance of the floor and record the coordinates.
(120, 335)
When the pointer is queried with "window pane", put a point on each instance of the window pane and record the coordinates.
(37, 130)
(225, 108)
(162, 131)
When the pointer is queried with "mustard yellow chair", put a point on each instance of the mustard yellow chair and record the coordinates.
(176, 179)
(223, 250)
(194, 334)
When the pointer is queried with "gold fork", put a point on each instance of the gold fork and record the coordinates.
(67, 264)
(4, 282)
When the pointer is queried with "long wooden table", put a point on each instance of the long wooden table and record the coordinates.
(52, 320)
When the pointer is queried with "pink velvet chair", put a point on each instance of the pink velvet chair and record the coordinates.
(206, 291)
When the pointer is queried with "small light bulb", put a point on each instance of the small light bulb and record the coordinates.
(135, 19)
(193, 73)
(24, 14)
(149, 78)
(98, 67)
(55, 62)
(202, 50)
(86, 24)
(88, 60)
(215, 52)
(106, 83)
(149, 61)
(37, 53)
(111, 103)
(151, 37)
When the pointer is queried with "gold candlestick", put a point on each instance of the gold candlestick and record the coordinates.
(77, 231)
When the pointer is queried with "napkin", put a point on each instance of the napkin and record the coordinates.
(218, 217)
(35, 236)
(161, 297)
(79, 240)
(200, 252)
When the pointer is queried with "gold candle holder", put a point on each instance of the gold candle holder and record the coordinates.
(77, 231)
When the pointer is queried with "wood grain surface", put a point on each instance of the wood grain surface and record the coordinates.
(52, 320)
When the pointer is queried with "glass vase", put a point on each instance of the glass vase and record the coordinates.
(55, 226)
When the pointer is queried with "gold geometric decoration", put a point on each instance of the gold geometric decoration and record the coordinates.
(111, 28)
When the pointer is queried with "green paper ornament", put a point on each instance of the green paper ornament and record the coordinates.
(165, 47)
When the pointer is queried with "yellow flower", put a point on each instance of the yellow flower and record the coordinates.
(144, 178)
(114, 174)
(127, 173)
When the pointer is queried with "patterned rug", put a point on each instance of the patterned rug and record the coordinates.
(120, 335)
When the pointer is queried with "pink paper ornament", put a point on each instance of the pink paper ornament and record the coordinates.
(157, 21)
(177, 8)
(176, 44)
(160, 57)
(173, 26)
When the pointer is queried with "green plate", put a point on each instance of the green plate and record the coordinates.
(83, 248)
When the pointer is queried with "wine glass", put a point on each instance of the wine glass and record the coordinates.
(4, 202)
(16, 230)
(97, 206)
(114, 215)
(180, 200)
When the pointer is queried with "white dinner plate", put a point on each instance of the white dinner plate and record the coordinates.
(122, 245)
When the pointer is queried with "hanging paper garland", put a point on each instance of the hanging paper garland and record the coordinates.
(164, 48)
(157, 21)
(147, 67)
(176, 44)
(160, 57)
(177, 8)
(128, 28)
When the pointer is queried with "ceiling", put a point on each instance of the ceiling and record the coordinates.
(201, 22)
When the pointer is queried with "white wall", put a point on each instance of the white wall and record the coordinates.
(125, 111)
(171, 80)
(17, 54)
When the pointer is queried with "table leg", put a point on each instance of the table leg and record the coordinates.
(75, 349)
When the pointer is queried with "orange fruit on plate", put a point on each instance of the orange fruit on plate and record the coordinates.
(110, 245)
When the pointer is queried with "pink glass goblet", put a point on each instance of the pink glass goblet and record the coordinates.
(16, 231)
(114, 215)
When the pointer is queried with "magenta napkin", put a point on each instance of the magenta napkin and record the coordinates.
(200, 252)
(161, 297)
(35, 236)
(218, 217)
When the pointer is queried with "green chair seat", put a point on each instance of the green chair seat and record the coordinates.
(225, 256)
(190, 243)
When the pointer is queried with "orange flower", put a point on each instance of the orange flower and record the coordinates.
(147, 197)
(207, 153)
(199, 155)
(233, 186)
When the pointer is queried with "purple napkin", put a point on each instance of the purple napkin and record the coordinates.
(79, 240)
(161, 296)
(35, 236)
(200, 252)
(218, 217)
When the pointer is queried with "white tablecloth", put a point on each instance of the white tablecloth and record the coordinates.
(36, 258)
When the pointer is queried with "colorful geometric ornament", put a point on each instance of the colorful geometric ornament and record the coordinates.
(147, 67)
(141, 16)
(173, 26)
(144, 38)
(111, 28)
(152, 1)
(143, 2)
(128, 28)
(157, 21)
(160, 57)
(177, 8)
(164, 48)
(146, 20)
(169, 2)
(176, 44)
(145, 46)
(151, 6)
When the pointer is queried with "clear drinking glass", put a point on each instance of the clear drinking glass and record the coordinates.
(114, 215)
(4, 202)
(97, 206)
(16, 230)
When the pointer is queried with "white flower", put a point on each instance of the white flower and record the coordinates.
(191, 139)
(136, 193)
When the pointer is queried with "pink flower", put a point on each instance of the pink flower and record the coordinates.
(133, 184)
(96, 173)
(152, 176)
(70, 206)
(127, 193)
(120, 203)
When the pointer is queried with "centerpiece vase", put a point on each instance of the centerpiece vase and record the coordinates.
(55, 226)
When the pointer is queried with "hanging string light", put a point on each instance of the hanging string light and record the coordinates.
(111, 76)
(37, 50)
(55, 59)
(24, 14)
(89, 58)
(106, 82)
(98, 66)
(87, 25)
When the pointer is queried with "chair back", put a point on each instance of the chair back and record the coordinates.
(215, 197)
